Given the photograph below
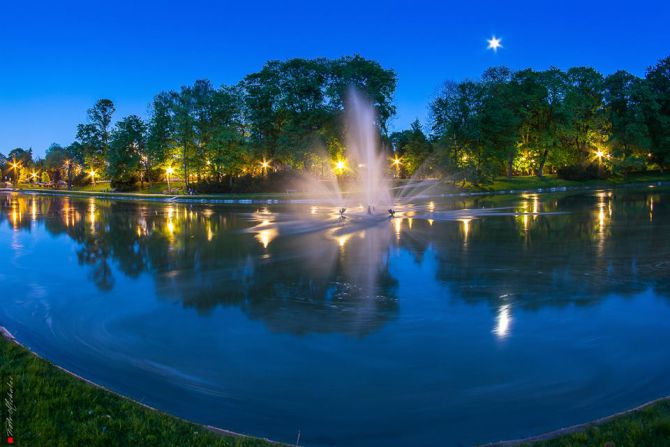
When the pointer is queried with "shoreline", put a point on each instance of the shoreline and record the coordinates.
(275, 198)
(9, 337)
(542, 437)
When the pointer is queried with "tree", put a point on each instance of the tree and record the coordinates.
(56, 162)
(457, 133)
(94, 136)
(18, 160)
(160, 132)
(127, 152)
(412, 147)
(658, 114)
(626, 98)
(586, 126)
(502, 114)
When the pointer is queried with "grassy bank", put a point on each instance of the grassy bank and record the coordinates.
(649, 427)
(520, 183)
(552, 181)
(54, 408)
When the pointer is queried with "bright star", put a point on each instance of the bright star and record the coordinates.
(494, 44)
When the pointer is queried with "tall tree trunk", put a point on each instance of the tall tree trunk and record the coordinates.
(510, 163)
(185, 166)
(69, 176)
(543, 160)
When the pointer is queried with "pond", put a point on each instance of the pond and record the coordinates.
(435, 327)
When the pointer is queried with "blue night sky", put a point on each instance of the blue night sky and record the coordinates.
(57, 58)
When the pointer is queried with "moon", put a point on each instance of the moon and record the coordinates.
(494, 44)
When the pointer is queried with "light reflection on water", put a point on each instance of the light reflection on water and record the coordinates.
(265, 318)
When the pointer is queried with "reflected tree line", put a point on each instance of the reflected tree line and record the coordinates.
(339, 279)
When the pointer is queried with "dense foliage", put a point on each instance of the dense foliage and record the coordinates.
(576, 123)
(287, 118)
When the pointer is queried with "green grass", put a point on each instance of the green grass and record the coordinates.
(55, 409)
(551, 181)
(648, 427)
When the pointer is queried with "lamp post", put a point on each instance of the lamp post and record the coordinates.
(92, 174)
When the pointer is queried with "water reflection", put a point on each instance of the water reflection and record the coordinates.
(302, 269)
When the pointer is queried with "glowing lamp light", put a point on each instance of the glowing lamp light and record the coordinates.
(396, 161)
(169, 170)
(600, 154)
(340, 166)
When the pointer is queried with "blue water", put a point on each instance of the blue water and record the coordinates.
(420, 330)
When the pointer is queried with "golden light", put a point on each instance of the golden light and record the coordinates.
(397, 223)
(266, 236)
(466, 228)
(600, 154)
(342, 240)
(92, 173)
(396, 161)
(340, 165)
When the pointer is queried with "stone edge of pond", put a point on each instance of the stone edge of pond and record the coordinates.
(259, 200)
(8, 336)
(547, 436)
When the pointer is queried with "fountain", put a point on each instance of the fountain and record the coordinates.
(367, 198)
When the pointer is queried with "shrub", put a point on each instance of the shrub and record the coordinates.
(583, 172)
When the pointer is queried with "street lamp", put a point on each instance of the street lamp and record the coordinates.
(340, 166)
(92, 174)
(265, 165)
(396, 162)
(168, 172)
(16, 166)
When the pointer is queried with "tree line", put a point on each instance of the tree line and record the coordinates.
(577, 123)
(287, 119)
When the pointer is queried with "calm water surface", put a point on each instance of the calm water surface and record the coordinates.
(269, 319)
